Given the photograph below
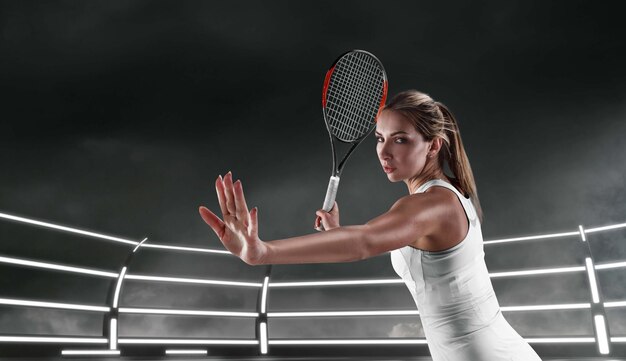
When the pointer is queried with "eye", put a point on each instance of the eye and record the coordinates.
(379, 139)
(400, 140)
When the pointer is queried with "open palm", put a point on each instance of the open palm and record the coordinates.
(238, 230)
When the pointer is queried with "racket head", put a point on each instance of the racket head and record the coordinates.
(354, 93)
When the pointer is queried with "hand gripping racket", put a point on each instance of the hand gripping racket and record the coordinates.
(355, 90)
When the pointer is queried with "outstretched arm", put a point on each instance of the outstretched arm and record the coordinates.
(398, 227)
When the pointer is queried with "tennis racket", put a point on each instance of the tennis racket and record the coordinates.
(354, 92)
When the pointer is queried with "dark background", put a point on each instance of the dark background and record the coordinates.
(117, 116)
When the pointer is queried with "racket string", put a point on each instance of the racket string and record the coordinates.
(354, 94)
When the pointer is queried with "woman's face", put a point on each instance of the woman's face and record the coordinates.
(402, 151)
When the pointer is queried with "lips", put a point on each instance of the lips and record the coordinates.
(388, 169)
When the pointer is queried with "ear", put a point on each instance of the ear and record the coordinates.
(435, 146)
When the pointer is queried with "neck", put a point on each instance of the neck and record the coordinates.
(431, 170)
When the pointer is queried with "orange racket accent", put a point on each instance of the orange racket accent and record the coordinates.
(326, 81)
(383, 100)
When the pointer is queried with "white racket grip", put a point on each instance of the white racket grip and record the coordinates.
(331, 193)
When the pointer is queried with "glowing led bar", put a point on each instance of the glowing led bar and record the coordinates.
(571, 306)
(64, 306)
(58, 267)
(140, 244)
(191, 280)
(185, 352)
(417, 341)
(263, 334)
(615, 304)
(537, 272)
(581, 230)
(29, 339)
(336, 283)
(264, 295)
(90, 352)
(603, 342)
(172, 341)
(610, 265)
(618, 339)
(605, 228)
(161, 311)
(528, 238)
(118, 287)
(66, 229)
(592, 280)
(344, 313)
(187, 249)
(113, 334)
(560, 340)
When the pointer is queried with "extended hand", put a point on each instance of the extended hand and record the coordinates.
(239, 229)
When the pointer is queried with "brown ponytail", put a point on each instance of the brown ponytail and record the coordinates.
(433, 119)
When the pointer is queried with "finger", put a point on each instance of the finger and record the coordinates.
(213, 221)
(228, 192)
(254, 222)
(219, 188)
(240, 203)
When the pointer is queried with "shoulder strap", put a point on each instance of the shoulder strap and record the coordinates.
(465, 202)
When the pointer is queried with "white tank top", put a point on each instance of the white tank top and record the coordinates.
(451, 288)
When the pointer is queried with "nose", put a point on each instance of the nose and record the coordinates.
(383, 151)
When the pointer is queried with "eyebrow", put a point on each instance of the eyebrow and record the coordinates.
(394, 133)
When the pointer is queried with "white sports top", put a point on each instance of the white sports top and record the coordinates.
(459, 310)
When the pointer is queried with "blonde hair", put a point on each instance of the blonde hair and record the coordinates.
(434, 120)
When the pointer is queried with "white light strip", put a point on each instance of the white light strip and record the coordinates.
(188, 249)
(603, 342)
(64, 306)
(605, 228)
(264, 295)
(518, 239)
(113, 334)
(618, 339)
(560, 340)
(571, 306)
(344, 313)
(185, 352)
(417, 341)
(581, 230)
(29, 339)
(336, 283)
(263, 334)
(67, 229)
(537, 272)
(615, 304)
(168, 341)
(610, 265)
(159, 311)
(140, 244)
(118, 287)
(90, 352)
(191, 280)
(592, 280)
(57, 267)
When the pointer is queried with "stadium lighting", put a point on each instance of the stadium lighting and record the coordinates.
(173, 341)
(529, 238)
(605, 228)
(264, 295)
(603, 342)
(537, 272)
(66, 229)
(118, 287)
(572, 306)
(592, 280)
(344, 313)
(185, 352)
(582, 233)
(162, 311)
(187, 249)
(191, 280)
(90, 352)
(417, 341)
(263, 334)
(560, 339)
(41, 339)
(65, 306)
(57, 267)
(336, 283)
(113, 334)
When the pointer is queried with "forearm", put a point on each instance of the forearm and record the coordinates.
(342, 244)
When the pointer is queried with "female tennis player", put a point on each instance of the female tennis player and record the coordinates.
(433, 234)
